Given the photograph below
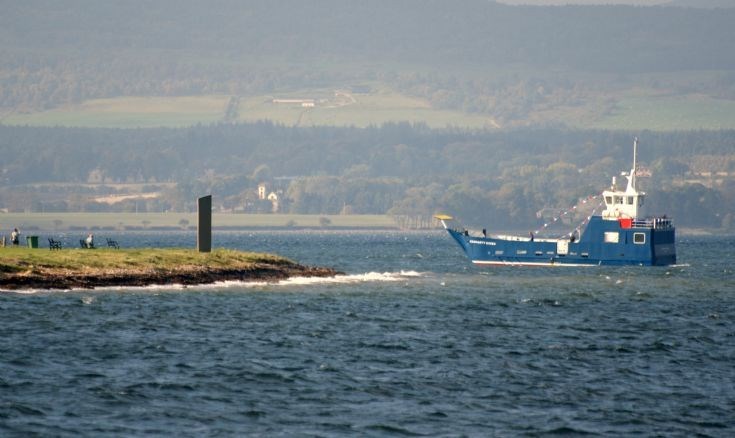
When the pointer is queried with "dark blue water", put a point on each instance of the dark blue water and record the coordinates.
(413, 341)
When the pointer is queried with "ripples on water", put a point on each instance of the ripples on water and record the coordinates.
(412, 341)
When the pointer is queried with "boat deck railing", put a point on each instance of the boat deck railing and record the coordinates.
(523, 238)
(656, 223)
(513, 238)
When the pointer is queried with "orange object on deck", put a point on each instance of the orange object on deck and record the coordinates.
(626, 222)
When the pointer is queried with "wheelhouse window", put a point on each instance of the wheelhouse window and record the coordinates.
(618, 199)
(630, 200)
(608, 200)
(639, 238)
(612, 237)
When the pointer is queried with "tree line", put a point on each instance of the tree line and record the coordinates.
(477, 56)
(485, 177)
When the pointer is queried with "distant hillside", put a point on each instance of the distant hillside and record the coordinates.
(517, 64)
(499, 177)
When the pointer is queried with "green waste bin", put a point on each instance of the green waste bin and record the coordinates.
(32, 241)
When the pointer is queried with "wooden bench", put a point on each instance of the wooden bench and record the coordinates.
(113, 244)
(54, 244)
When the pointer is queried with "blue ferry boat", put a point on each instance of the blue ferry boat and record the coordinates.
(618, 236)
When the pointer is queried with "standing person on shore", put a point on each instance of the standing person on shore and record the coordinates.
(90, 240)
(15, 237)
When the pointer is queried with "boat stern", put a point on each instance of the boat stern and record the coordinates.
(663, 237)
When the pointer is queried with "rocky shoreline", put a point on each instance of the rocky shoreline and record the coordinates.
(89, 279)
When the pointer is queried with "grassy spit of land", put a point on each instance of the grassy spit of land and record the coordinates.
(23, 268)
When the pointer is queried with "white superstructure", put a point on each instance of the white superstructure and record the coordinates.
(624, 203)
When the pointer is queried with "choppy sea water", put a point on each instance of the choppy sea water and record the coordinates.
(413, 340)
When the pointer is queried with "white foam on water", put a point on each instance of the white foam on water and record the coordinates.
(368, 277)
(411, 274)
(26, 291)
(152, 287)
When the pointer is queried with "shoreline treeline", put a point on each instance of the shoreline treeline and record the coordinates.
(498, 177)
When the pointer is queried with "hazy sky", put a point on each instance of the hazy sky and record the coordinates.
(585, 2)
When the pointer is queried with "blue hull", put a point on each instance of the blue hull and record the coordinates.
(604, 242)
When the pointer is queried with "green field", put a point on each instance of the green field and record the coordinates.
(360, 110)
(666, 113)
(121, 221)
(129, 112)
(632, 111)
(145, 112)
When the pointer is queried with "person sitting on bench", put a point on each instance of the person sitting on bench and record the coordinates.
(89, 241)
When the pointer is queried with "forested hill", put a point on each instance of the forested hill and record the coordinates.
(503, 177)
(412, 152)
(63, 52)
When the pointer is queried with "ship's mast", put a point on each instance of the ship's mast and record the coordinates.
(631, 178)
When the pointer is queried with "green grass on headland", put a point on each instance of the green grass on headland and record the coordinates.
(23, 268)
(19, 260)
